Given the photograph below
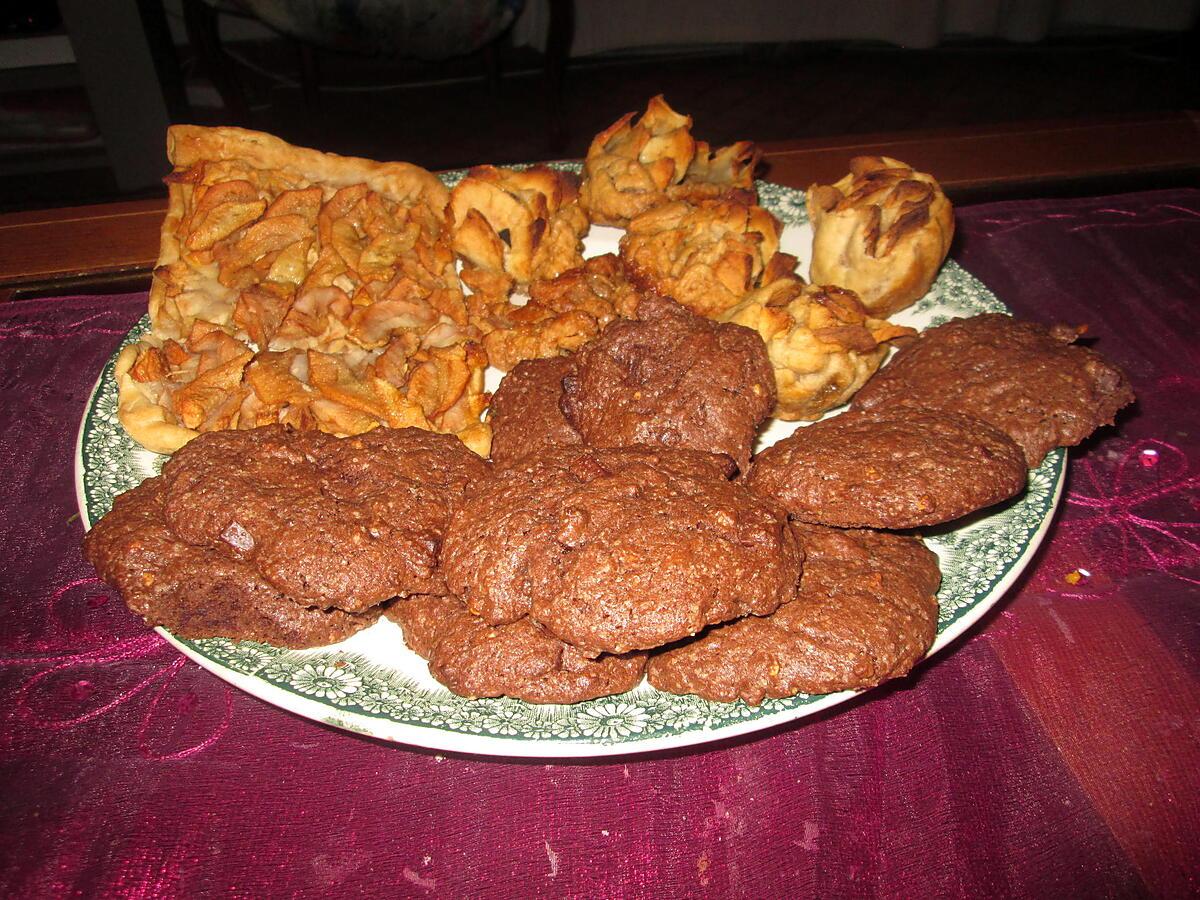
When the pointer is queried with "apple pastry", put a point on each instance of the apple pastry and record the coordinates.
(302, 288)
(706, 255)
(822, 343)
(632, 167)
(882, 231)
(559, 316)
(526, 223)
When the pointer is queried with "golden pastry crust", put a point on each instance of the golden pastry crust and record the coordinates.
(301, 288)
(706, 255)
(560, 315)
(188, 145)
(144, 418)
(632, 167)
(882, 231)
(822, 343)
(527, 224)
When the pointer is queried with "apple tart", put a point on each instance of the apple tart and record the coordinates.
(302, 288)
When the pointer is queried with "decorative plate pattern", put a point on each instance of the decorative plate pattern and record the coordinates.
(373, 685)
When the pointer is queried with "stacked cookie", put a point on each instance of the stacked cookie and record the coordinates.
(926, 447)
(293, 538)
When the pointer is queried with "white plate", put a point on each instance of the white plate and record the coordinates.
(374, 685)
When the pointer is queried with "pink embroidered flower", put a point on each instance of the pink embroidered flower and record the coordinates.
(1137, 515)
(82, 673)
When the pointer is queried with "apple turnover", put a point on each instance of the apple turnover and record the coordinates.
(882, 231)
(302, 288)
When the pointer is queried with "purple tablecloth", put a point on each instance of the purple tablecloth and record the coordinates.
(1053, 752)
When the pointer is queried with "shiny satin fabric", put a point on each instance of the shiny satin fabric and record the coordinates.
(1052, 752)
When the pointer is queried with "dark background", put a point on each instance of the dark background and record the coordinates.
(78, 124)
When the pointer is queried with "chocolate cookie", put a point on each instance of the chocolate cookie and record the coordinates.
(619, 549)
(866, 611)
(345, 522)
(889, 468)
(1024, 378)
(671, 378)
(200, 591)
(519, 660)
(525, 414)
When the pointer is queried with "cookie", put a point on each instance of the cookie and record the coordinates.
(671, 378)
(200, 591)
(619, 549)
(343, 522)
(525, 416)
(889, 468)
(518, 660)
(1028, 380)
(866, 611)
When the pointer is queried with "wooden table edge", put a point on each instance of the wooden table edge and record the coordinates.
(108, 244)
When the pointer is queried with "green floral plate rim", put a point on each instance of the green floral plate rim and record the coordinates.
(372, 685)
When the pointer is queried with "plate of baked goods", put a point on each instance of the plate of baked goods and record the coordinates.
(569, 460)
